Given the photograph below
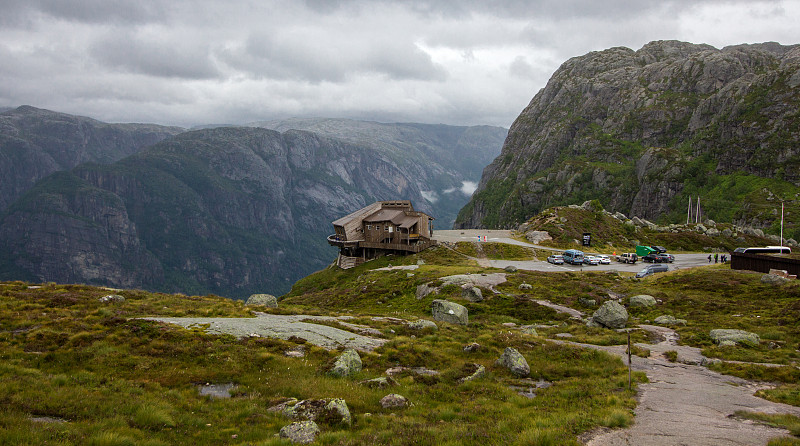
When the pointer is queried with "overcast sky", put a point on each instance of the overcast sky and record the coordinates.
(458, 62)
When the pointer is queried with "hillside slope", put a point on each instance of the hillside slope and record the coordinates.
(642, 131)
(226, 210)
(35, 143)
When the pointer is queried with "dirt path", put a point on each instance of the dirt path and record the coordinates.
(688, 404)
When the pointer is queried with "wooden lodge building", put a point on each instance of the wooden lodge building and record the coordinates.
(381, 228)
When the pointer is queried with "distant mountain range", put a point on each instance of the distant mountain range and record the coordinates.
(231, 210)
(644, 131)
(35, 143)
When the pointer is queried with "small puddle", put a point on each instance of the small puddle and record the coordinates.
(216, 390)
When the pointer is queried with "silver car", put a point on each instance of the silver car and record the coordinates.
(556, 259)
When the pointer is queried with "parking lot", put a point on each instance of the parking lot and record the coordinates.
(502, 236)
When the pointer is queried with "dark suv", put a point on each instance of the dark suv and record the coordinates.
(659, 249)
(658, 258)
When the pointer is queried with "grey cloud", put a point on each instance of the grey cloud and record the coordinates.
(86, 11)
(155, 56)
(318, 58)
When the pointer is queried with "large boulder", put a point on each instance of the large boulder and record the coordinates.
(394, 401)
(267, 300)
(611, 315)
(348, 363)
(729, 336)
(514, 361)
(332, 411)
(642, 301)
(446, 311)
(472, 293)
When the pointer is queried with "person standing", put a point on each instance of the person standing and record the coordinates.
(716, 257)
(709, 258)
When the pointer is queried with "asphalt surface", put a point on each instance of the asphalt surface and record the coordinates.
(504, 236)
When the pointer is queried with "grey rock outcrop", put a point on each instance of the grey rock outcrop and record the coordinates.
(332, 411)
(267, 300)
(381, 382)
(394, 401)
(732, 337)
(773, 279)
(514, 361)
(642, 301)
(472, 294)
(669, 320)
(451, 312)
(611, 315)
(422, 324)
(348, 363)
(112, 298)
(300, 432)
(537, 237)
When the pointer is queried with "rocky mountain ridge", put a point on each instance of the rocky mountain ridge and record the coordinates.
(229, 210)
(642, 131)
(35, 143)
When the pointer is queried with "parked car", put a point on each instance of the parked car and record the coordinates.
(659, 249)
(591, 260)
(652, 269)
(604, 259)
(556, 259)
(627, 257)
(659, 258)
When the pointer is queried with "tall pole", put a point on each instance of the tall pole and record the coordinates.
(697, 214)
(781, 227)
(689, 211)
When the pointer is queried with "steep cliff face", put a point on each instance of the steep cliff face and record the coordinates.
(644, 130)
(227, 210)
(35, 143)
(445, 161)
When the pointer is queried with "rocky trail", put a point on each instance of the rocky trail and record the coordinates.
(687, 404)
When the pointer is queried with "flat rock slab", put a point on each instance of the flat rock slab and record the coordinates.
(575, 314)
(476, 280)
(279, 326)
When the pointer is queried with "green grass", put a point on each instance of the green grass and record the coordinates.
(784, 421)
(117, 380)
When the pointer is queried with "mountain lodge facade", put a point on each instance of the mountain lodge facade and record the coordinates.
(381, 228)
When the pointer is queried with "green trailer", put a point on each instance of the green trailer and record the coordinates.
(642, 251)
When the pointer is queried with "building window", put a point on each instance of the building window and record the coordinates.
(386, 228)
(369, 227)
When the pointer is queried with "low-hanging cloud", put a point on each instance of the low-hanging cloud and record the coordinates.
(451, 61)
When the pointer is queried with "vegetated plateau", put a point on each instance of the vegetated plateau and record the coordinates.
(76, 370)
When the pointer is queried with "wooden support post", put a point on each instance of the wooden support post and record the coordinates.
(629, 361)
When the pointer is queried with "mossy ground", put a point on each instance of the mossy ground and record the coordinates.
(119, 380)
